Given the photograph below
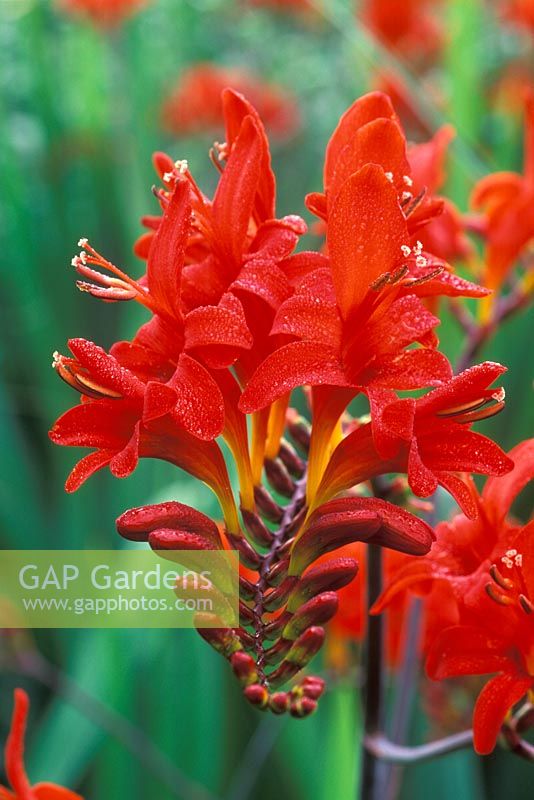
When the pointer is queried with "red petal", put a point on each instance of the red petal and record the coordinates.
(124, 463)
(366, 109)
(104, 369)
(462, 492)
(366, 229)
(500, 493)
(234, 198)
(494, 701)
(299, 265)
(413, 369)
(422, 481)
(310, 313)
(211, 328)
(50, 791)
(160, 399)
(296, 364)
(263, 279)
(467, 650)
(235, 109)
(464, 451)
(277, 238)
(166, 256)
(378, 142)
(101, 423)
(427, 160)
(468, 385)
(86, 467)
(199, 403)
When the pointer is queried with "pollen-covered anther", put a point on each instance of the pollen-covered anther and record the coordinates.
(72, 373)
(389, 176)
(83, 241)
(181, 165)
(496, 596)
(478, 409)
(406, 251)
(407, 180)
(421, 261)
(498, 577)
(221, 149)
(405, 196)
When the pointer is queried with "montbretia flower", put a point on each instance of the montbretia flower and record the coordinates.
(414, 33)
(103, 13)
(21, 789)
(369, 132)
(507, 203)
(445, 235)
(521, 12)
(195, 104)
(354, 319)
(463, 546)
(429, 438)
(495, 634)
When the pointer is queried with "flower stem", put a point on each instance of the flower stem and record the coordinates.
(382, 748)
(373, 679)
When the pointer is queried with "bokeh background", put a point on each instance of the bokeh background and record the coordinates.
(156, 714)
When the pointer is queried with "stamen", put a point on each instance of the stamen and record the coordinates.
(389, 176)
(406, 251)
(526, 604)
(504, 583)
(498, 598)
(407, 180)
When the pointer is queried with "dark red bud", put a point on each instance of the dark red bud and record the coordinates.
(224, 640)
(294, 465)
(257, 695)
(248, 555)
(137, 523)
(256, 528)
(277, 597)
(300, 432)
(277, 573)
(325, 577)
(313, 687)
(279, 477)
(267, 506)
(314, 612)
(273, 629)
(279, 702)
(244, 668)
(302, 707)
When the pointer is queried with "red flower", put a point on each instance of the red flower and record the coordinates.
(522, 12)
(14, 755)
(462, 546)
(195, 105)
(507, 201)
(444, 236)
(369, 132)
(429, 438)
(414, 32)
(495, 635)
(104, 13)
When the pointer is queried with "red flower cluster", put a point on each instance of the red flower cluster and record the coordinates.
(195, 103)
(103, 13)
(14, 762)
(238, 320)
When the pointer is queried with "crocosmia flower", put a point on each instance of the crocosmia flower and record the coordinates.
(495, 635)
(195, 106)
(506, 200)
(103, 13)
(21, 789)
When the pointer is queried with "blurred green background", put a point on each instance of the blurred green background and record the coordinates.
(79, 120)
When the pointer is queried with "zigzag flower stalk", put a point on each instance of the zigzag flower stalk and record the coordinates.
(238, 321)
